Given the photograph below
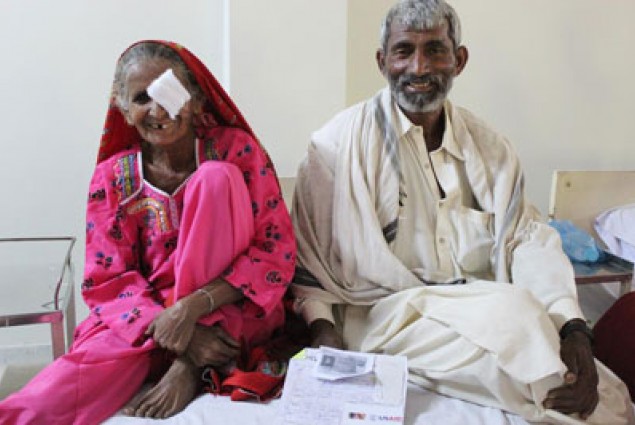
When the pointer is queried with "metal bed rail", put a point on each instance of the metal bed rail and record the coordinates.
(61, 311)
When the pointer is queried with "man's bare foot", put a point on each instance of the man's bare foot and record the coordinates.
(170, 395)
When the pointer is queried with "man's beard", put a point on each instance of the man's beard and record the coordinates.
(421, 102)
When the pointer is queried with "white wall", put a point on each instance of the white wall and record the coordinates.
(287, 70)
(363, 78)
(556, 78)
(57, 68)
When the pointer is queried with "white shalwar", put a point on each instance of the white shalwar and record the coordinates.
(402, 269)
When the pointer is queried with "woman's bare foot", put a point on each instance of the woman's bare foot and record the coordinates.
(131, 406)
(170, 395)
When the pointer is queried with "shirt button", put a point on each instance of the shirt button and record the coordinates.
(426, 166)
(442, 240)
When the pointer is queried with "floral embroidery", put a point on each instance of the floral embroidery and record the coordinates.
(271, 232)
(87, 284)
(170, 244)
(247, 177)
(209, 151)
(127, 179)
(156, 213)
(272, 203)
(115, 232)
(98, 195)
(273, 276)
(247, 289)
(102, 260)
(133, 315)
(268, 246)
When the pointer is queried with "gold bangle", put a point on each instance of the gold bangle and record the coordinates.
(210, 298)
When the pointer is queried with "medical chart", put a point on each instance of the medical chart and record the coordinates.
(328, 387)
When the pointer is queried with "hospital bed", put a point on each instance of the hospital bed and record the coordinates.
(423, 407)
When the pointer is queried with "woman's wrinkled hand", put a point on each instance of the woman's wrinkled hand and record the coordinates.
(211, 345)
(173, 328)
(323, 332)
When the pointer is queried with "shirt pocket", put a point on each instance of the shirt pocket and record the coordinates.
(473, 239)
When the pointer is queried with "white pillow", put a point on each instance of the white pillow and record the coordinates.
(616, 228)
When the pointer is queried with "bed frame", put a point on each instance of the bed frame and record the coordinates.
(580, 196)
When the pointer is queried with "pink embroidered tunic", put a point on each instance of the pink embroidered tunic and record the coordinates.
(133, 230)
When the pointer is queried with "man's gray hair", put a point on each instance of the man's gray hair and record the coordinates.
(422, 15)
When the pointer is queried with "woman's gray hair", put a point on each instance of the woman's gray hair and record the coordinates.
(422, 15)
(150, 51)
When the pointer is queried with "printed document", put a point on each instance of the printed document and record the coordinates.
(328, 387)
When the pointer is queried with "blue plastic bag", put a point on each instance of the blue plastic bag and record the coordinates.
(576, 243)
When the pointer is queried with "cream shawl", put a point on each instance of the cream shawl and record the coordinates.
(347, 203)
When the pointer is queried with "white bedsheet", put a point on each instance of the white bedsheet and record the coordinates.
(422, 408)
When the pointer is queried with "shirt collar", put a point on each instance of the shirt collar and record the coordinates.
(448, 143)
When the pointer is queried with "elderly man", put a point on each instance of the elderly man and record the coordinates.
(411, 223)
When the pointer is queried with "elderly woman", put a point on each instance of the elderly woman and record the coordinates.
(189, 248)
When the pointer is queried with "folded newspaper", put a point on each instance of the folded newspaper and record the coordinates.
(327, 387)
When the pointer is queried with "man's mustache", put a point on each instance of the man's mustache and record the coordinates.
(406, 79)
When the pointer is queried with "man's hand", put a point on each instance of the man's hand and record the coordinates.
(323, 332)
(579, 392)
(211, 345)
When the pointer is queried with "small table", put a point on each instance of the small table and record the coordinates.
(37, 285)
(611, 269)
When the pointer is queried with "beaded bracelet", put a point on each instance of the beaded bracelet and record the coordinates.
(576, 325)
(211, 299)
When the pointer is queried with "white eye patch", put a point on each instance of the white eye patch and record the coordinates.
(168, 92)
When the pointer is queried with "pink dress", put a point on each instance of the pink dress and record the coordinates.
(144, 247)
